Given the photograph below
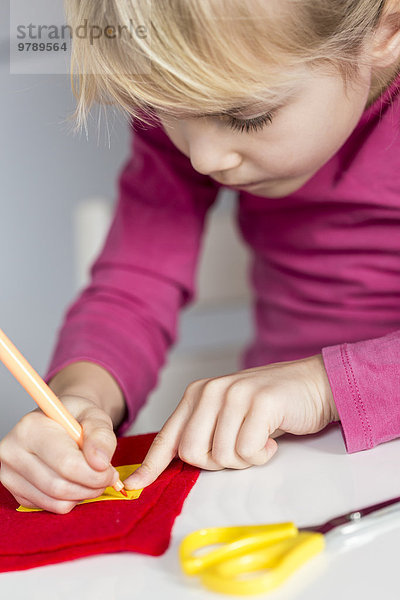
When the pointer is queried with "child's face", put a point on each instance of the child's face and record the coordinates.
(304, 134)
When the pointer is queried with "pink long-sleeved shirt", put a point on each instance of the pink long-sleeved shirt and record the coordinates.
(325, 273)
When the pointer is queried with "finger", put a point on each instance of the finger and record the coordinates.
(65, 457)
(25, 502)
(99, 440)
(229, 423)
(277, 433)
(20, 488)
(42, 477)
(196, 444)
(254, 443)
(163, 449)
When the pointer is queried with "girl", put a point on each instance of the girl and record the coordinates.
(296, 104)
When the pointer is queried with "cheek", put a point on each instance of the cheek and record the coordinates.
(293, 153)
(303, 141)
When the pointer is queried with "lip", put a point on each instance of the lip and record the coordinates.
(242, 185)
(246, 185)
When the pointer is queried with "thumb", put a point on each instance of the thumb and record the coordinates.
(99, 440)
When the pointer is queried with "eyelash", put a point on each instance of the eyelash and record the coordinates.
(255, 124)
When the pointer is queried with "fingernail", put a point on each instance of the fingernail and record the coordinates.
(271, 451)
(103, 457)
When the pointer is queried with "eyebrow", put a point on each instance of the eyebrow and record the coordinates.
(233, 112)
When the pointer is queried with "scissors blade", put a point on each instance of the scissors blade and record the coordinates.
(388, 507)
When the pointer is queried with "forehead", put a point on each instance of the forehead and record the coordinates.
(233, 61)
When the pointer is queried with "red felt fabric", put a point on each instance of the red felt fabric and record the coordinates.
(143, 525)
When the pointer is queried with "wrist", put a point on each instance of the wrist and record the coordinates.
(91, 381)
(326, 391)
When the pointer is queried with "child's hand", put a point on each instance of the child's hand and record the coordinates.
(229, 422)
(44, 468)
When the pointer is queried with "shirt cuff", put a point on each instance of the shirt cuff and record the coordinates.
(365, 381)
(356, 429)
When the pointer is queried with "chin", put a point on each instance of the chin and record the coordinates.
(281, 188)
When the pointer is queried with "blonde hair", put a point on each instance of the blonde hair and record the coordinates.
(209, 55)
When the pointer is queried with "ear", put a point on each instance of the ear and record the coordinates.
(386, 40)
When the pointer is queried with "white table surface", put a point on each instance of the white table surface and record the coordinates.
(309, 480)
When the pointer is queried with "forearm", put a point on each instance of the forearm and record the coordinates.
(91, 381)
(125, 320)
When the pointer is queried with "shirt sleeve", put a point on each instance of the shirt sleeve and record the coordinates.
(365, 381)
(126, 318)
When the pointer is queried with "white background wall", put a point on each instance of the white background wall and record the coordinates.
(47, 177)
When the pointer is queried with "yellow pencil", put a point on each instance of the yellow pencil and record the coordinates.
(44, 397)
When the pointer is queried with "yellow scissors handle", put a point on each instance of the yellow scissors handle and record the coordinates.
(196, 555)
(264, 569)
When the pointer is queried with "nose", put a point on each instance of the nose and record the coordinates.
(211, 152)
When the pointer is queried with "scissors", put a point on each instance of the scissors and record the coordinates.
(255, 559)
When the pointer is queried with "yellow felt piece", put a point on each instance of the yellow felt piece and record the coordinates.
(108, 494)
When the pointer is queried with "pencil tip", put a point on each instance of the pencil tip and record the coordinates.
(123, 492)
